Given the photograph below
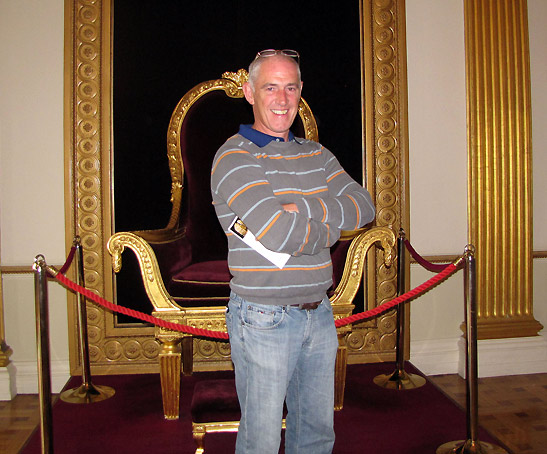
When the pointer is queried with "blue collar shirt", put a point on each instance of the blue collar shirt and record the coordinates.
(259, 138)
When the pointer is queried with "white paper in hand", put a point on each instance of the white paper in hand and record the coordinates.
(238, 228)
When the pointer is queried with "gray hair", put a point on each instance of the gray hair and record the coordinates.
(255, 65)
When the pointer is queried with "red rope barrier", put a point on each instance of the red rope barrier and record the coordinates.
(69, 259)
(421, 289)
(139, 315)
(423, 262)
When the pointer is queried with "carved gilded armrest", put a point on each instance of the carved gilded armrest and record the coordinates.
(342, 299)
(363, 240)
(150, 271)
(170, 357)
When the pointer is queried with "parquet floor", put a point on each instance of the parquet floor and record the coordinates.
(513, 408)
(18, 418)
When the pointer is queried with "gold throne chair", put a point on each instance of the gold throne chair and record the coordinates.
(184, 265)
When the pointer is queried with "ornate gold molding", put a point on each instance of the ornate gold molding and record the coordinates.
(385, 135)
(87, 157)
(88, 149)
(500, 171)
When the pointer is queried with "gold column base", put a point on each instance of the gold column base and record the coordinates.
(507, 327)
(469, 447)
(399, 380)
(5, 352)
(87, 394)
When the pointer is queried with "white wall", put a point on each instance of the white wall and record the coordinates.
(438, 160)
(31, 174)
(437, 126)
(537, 14)
(32, 178)
(438, 169)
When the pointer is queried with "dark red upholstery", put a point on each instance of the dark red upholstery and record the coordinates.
(214, 401)
(338, 254)
(202, 283)
(210, 122)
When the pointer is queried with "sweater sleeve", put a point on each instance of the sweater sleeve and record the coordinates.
(239, 182)
(346, 204)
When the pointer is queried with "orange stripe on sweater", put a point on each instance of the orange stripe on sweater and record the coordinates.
(299, 268)
(315, 153)
(307, 238)
(356, 210)
(269, 226)
(340, 172)
(225, 155)
(244, 190)
(324, 210)
(317, 191)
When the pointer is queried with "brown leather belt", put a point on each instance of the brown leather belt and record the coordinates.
(308, 306)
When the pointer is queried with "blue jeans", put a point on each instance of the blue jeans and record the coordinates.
(283, 353)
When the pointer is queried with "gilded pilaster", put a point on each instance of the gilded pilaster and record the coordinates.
(499, 160)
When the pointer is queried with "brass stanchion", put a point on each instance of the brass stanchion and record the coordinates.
(87, 392)
(400, 379)
(42, 341)
(472, 445)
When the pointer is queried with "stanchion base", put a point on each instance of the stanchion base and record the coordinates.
(87, 394)
(469, 447)
(399, 380)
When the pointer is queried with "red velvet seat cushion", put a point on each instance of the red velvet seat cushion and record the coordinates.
(215, 401)
(201, 284)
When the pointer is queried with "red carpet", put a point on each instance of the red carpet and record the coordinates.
(373, 419)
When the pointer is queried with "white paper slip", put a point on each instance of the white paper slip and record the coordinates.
(239, 229)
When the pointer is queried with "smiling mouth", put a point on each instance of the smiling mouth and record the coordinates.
(280, 112)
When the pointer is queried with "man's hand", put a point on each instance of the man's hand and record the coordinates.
(290, 207)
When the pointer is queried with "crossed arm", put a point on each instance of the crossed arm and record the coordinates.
(307, 225)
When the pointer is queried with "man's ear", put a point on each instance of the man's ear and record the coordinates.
(248, 92)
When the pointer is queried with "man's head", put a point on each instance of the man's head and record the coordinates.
(274, 90)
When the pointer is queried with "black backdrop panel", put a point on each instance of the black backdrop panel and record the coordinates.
(164, 48)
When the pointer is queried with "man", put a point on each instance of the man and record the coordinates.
(294, 196)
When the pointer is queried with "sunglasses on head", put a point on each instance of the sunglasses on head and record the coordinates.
(286, 52)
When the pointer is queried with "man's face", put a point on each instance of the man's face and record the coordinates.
(275, 96)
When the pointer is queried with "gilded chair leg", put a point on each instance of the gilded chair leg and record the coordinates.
(198, 433)
(170, 368)
(340, 373)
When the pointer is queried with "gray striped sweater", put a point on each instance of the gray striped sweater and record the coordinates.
(252, 183)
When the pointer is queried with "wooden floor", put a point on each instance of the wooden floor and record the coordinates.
(513, 409)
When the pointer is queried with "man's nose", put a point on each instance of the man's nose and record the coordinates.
(282, 97)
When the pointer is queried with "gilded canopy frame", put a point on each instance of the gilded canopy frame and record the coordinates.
(89, 151)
